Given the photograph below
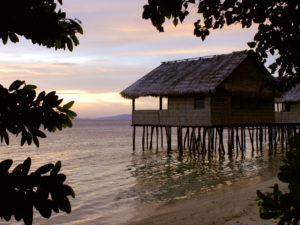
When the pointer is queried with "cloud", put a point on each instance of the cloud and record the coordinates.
(88, 97)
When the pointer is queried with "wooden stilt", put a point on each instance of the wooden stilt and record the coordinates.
(261, 136)
(242, 141)
(229, 142)
(147, 137)
(203, 149)
(178, 138)
(251, 139)
(185, 137)
(151, 136)
(162, 137)
(169, 141)
(188, 137)
(237, 140)
(216, 141)
(157, 134)
(133, 139)
(143, 139)
(222, 143)
(199, 137)
(209, 143)
(180, 142)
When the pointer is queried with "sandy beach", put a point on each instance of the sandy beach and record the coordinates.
(228, 206)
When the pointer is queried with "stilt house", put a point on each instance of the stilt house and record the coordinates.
(220, 90)
(287, 107)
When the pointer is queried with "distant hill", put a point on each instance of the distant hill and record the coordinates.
(117, 117)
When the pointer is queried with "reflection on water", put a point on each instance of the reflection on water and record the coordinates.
(111, 182)
(167, 178)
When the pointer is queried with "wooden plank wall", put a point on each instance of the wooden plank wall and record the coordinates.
(293, 116)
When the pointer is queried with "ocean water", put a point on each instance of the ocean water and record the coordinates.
(113, 184)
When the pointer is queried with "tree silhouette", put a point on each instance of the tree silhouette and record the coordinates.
(25, 112)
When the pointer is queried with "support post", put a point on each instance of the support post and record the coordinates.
(151, 137)
(133, 139)
(133, 104)
(143, 139)
(161, 137)
(160, 102)
(157, 139)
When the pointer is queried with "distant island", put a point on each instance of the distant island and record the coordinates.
(117, 117)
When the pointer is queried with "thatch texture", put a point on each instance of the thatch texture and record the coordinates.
(186, 77)
(292, 95)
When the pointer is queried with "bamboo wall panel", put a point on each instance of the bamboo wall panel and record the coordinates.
(293, 116)
(220, 110)
(260, 115)
(180, 103)
(195, 117)
(171, 117)
(145, 117)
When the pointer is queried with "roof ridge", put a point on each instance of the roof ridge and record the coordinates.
(201, 57)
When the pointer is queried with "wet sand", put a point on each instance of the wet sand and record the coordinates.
(228, 206)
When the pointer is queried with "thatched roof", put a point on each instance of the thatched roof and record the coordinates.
(292, 95)
(186, 77)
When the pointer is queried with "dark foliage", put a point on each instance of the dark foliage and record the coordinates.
(20, 191)
(24, 112)
(278, 26)
(285, 206)
(38, 21)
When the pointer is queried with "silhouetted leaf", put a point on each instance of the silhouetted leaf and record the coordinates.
(56, 168)
(63, 203)
(69, 44)
(44, 169)
(5, 165)
(45, 209)
(36, 141)
(13, 37)
(15, 85)
(6, 138)
(4, 38)
(18, 168)
(175, 22)
(60, 178)
(251, 44)
(67, 190)
(40, 134)
(26, 166)
(30, 87)
(68, 105)
(71, 114)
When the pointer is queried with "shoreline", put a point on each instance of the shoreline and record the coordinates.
(230, 205)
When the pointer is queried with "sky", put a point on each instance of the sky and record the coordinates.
(117, 48)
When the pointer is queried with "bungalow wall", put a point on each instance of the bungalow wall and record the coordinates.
(253, 111)
(182, 111)
(220, 110)
(291, 116)
(236, 110)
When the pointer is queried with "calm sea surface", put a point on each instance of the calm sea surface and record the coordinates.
(113, 184)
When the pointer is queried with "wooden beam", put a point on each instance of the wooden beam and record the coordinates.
(133, 139)
(160, 102)
(133, 104)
